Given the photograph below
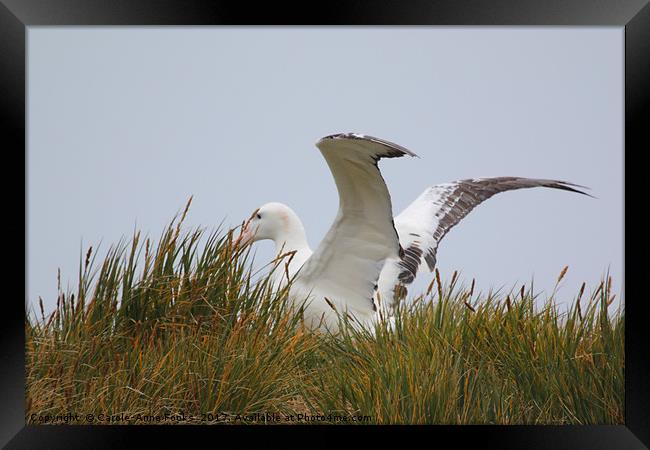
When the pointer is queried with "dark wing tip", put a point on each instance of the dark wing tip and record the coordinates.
(571, 187)
(510, 183)
(395, 150)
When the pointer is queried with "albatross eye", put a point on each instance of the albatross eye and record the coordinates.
(259, 216)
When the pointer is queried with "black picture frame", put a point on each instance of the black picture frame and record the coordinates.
(633, 15)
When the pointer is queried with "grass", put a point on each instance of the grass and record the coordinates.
(183, 331)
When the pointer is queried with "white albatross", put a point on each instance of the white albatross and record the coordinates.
(367, 259)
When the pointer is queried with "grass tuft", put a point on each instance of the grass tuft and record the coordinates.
(183, 331)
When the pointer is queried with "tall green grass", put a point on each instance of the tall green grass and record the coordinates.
(183, 331)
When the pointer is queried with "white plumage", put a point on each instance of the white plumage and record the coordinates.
(365, 253)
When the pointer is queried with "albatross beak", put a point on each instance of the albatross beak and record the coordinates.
(247, 233)
(245, 237)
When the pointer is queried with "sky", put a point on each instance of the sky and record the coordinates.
(126, 123)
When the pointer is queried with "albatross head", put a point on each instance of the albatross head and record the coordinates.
(275, 221)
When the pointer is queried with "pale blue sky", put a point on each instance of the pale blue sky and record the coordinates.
(124, 124)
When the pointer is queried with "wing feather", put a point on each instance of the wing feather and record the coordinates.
(423, 224)
(345, 266)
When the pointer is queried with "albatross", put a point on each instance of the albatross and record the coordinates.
(367, 259)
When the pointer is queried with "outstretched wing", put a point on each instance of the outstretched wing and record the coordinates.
(429, 218)
(345, 266)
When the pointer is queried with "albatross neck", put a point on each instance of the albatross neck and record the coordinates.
(292, 237)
